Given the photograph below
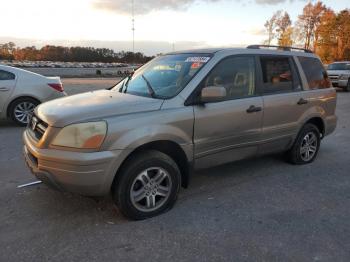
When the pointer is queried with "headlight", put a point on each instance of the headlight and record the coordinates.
(85, 135)
(344, 77)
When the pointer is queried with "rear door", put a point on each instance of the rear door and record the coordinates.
(318, 90)
(229, 129)
(7, 85)
(283, 104)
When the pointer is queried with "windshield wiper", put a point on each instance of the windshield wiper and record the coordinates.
(125, 84)
(149, 86)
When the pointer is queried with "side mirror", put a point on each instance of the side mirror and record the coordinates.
(213, 94)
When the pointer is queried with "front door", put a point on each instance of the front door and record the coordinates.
(229, 129)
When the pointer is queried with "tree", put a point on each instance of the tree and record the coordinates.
(308, 22)
(327, 36)
(343, 36)
(286, 38)
(6, 50)
(271, 26)
(69, 54)
(333, 41)
(284, 29)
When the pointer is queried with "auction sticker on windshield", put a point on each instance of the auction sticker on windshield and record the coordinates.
(197, 59)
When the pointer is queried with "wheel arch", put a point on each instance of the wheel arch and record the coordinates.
(319, 123)
(16, 99)
(168, 147)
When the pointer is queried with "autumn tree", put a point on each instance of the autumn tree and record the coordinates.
(6, 50)
(284, 29)
(271, 26)
(309, 21)
(27, 53)
(333, 41)
(318, 28)
(327, 36)
(343, 35)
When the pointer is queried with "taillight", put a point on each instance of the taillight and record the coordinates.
(58, 87)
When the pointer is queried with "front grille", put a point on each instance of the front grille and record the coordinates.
(333, 77)
(38, 127)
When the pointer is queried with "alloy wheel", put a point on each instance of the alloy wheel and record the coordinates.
(23, 111)
(308, 147)
(151, 189)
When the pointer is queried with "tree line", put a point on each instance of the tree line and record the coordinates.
(9, 51)
(318, 28)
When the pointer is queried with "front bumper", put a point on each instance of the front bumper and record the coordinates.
(339, 83)
(79, 172)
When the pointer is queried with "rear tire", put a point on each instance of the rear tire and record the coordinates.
(306, 146)
(21, 110)
(147, 185)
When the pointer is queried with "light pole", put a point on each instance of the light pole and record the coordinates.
(133, 26)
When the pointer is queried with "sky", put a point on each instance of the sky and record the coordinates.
(160, 25)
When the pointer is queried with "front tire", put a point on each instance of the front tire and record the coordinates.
(21, 110)
(147, 186)
(306, 146)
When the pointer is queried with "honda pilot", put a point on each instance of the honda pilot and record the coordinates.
(141, 139)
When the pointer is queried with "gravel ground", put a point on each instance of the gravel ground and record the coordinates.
(254, 210)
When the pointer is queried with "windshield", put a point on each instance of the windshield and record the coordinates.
(339, 66)
(164, 76)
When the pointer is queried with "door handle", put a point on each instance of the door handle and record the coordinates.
(302, 101)
(4, 89)
(253, 109)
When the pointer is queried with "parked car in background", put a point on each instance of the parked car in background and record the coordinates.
(184, 110)
(339, 74)
(21, 91)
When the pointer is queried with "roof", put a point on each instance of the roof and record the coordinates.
(198, 51)
(247, 50)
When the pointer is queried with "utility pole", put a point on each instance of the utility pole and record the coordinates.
(133, 26)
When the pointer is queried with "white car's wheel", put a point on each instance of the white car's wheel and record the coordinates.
(21, 110)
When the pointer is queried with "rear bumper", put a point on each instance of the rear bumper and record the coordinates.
(83, 173)
(330, 125)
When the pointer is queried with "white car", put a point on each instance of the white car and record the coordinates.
(21, 91)
(339, 74)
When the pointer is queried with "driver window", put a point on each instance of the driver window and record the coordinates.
(236, 75)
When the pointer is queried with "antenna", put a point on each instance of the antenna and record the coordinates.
(133, 26)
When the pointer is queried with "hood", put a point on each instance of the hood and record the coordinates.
(93, 106)
(338, 72)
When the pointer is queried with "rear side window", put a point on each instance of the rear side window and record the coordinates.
(4, 75)
(315, 73)
(277, 74)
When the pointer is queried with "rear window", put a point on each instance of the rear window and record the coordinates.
(277, 74)
(4, 75)
(315, 73)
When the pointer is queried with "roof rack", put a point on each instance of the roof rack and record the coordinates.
(283, 48)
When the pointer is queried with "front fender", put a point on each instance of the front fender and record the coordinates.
(133, 130)
(146, 134)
